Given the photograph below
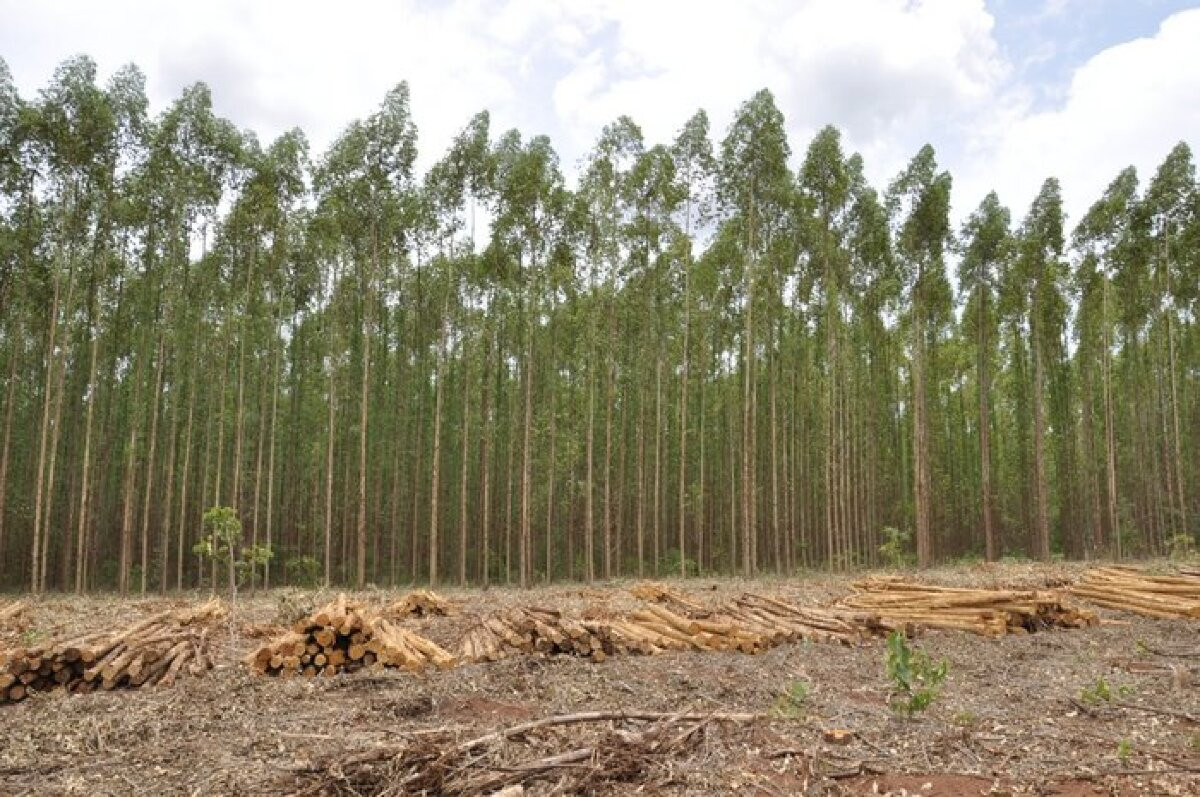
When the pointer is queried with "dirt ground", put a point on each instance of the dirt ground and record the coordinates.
(1010, 720)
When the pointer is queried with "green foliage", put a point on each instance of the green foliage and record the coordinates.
(1124, 750)
(1181, 547)
(222, 534)
(1102, 692)
(915, 678)
(670, 564)
(896, 548)
(303, 571)
(1099, 692)
(789, 704)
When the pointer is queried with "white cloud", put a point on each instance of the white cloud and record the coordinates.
(1129, 104)
(892, 74)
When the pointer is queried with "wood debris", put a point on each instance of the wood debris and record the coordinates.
(600, 759)
(13, 614)
(157, 650)
(783, 622)
(989, 612)
(1134, 590)
(344, 636)
(536, 630)
(655, 592)
(420, 603)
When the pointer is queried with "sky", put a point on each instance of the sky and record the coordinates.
(1009, 92)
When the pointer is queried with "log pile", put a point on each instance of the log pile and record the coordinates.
(653, 592)
(536, 630)
(988, 612)
(420, 603)
(1132, 590)
(157, 650)
(344, 636)
(783, 622)
(13, 614)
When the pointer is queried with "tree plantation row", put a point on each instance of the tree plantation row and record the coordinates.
(694, 357)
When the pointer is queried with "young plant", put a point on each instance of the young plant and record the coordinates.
(790, 703)
(895, 550)
(1099, 692)
(222, 542)
(915, 677)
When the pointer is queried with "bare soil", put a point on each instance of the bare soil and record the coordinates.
(1012, 718)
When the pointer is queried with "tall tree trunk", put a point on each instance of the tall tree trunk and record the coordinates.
(681, 509)
(181, 544)
(152, 446)
(464, 469)
(47, 393)
(164, 540)
(1042, 527)
(10, 404)
(435, 478)
(920, 437)
(1110, 454)
(991, 550)
(271, 459)
(526, 452)
(655, 502)
(589, 527)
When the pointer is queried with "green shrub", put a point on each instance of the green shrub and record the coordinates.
(895, 550)
(303, 571)
(790, 703)
(915, 677)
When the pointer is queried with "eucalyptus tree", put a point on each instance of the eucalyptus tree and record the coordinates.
(919, 204)
(14, 183)
(754, 187)
(1039, 274)
(1104, 239)
(603, 191)
(987, 251)
(1171, 206)
(529, 190)
(182, 179)
(825, 184)
(695, 168)
(653, 241)
(363, 182)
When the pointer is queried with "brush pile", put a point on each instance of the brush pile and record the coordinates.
(1132, 590)
(157, 650)
(344, 636)
(420, 603)
(592, 752)
(988, 612)
(537, 630)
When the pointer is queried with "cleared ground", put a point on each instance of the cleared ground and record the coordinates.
(1012, 717)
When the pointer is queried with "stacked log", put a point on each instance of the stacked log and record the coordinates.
(988, 612)
(783, 622)
(345, 636)
(12, 614)
(420, 603)
(1132, 590)
(654, 592)
(536, 630)
(157, 650)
